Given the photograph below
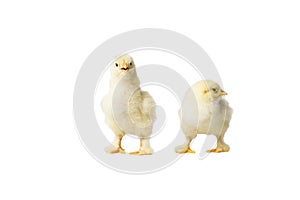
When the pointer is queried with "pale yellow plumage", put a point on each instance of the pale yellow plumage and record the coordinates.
(204, 111)
(128, 109)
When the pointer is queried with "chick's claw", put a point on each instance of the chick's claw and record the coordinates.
(190, 151)
(135, 153)
(214, 151)
(219, 149)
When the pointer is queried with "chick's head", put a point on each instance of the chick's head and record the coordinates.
(122, 65)
(211, 91)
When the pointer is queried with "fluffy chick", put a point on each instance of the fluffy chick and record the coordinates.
(204, 111)
(128, 109)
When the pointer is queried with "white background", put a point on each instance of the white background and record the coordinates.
(255, 46)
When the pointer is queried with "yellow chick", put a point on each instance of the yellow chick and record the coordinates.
(128, 109)
(204, 111)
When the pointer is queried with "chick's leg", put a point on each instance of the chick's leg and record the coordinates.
(185, 148)
(221, 145)
(116, 147)
(145, 148)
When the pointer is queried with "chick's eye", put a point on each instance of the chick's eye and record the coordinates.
(130, 63)
(116, 64)
(214, 89)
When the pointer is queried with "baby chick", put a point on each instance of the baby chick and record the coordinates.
(204, 111)
(128, 109)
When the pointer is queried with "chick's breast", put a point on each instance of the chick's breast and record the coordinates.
(142, 109)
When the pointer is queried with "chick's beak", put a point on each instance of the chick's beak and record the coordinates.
(124, 65)
(223, 93)
(124, 68)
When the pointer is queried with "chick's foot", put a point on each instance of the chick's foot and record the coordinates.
(114, 149)
(135, 153)
(184, 149)
(148, 151)
(219, 149)
(190, 151)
